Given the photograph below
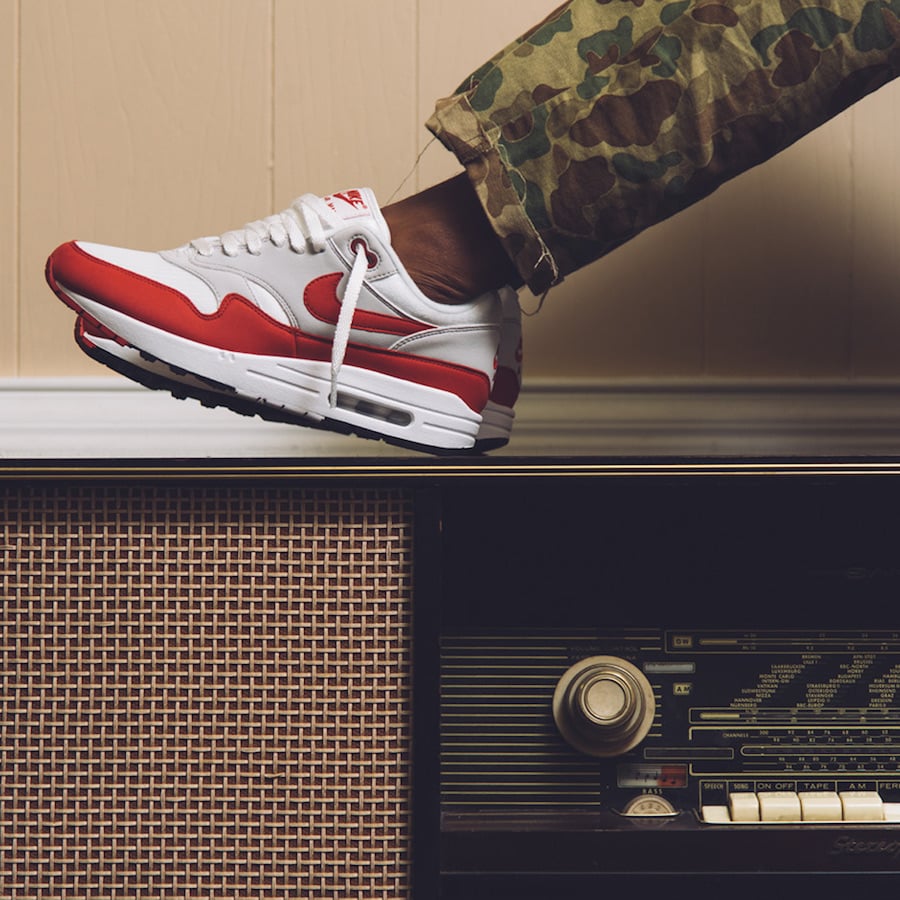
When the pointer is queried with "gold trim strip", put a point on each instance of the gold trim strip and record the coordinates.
(427, 469)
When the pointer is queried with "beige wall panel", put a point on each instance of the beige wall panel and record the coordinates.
(876, 235)
(777, 263)
(637, 312)
(8, 183)
(143, 124)
(345, 87)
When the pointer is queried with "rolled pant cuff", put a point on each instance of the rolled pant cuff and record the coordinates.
(461, 131)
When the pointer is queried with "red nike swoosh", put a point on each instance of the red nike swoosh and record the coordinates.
(321, 299)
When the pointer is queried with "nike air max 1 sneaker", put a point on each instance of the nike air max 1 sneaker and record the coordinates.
(497, 419)
(308, 315)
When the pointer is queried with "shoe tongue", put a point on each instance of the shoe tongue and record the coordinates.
(359, 207)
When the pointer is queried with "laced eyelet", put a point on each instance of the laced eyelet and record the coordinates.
(358, 244)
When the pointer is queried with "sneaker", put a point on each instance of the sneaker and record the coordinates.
(307, 315)
(107, 348)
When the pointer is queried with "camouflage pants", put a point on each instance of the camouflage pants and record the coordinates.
(612, 115)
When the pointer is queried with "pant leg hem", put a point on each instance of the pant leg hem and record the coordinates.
(460, 130)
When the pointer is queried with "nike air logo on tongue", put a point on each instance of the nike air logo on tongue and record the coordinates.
(348, 205)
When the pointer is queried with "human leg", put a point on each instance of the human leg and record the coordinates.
(447, 243)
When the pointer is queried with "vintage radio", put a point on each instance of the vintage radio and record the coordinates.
(649, 679)
(449, 679)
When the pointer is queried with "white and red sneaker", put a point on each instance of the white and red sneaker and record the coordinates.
(307, 315)
(109, 349)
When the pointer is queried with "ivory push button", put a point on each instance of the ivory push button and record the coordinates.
(862, 806)
(820, 806)
(779, 806)
(743, 806)
(891, 812)
(604, 706)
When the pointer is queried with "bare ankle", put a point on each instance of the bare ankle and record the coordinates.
(446, 243)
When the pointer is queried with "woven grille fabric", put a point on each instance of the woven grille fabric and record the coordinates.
(205, 691)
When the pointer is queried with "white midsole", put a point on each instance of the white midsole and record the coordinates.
(370, 400)
(496, 421)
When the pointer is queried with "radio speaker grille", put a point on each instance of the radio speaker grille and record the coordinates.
(206, 691)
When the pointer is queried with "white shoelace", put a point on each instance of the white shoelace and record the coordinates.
(305, 226)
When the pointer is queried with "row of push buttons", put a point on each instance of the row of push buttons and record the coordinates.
(803, 806)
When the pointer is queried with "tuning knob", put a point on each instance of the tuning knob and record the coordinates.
(603, 706)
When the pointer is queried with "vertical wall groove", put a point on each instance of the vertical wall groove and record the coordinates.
(417, 185)
(17, 188)
(273, 111)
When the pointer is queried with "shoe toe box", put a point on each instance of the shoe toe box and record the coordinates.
(123, 279)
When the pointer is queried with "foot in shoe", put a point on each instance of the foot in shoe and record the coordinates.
(308, 314)
(107, 348)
